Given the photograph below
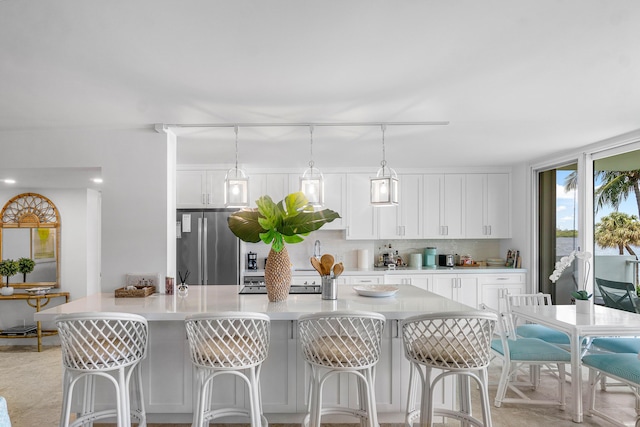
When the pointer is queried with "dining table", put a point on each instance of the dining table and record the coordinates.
(597, 321)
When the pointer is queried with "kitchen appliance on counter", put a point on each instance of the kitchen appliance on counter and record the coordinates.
(446, 260)
(255, 285)
(252, 261)
(206, 247)
(429, 258)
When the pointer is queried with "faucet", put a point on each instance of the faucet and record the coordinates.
(316, 249)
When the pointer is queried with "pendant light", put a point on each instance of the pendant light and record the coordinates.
(384, 186)
(312, 181)
(236, 184)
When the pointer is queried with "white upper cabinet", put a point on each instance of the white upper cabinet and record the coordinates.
(488, 206)
(405, 220)
(361, 217)
(274, 185)
(444, 201)
(335, 198)
(200, 188)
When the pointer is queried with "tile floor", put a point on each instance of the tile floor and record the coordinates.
(30, 381)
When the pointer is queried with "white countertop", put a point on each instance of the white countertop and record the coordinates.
(402, 270)
(408, 301)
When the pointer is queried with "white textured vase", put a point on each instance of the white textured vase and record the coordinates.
(6, 291)
(583, 306)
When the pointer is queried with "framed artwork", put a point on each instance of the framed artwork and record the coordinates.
(43, 244)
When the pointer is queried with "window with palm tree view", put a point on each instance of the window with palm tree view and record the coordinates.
(616, 230)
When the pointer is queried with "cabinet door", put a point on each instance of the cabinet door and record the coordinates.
(411, 194)
(444, 285)
(215, 188)
(499, 205)
(191, 189)
(361, 216)
(419, 280)
(475, 218)
(488, 206)
(495, 287)
(335, 198)
(433, 199)
(467, 290)
(279, 370)
(454, 204)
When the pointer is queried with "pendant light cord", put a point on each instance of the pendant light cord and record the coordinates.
(235, 128)
(383, 163)
(311, 149)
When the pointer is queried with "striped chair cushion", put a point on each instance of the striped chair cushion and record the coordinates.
(621, 365)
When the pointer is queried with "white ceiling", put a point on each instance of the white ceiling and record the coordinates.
(516, 79)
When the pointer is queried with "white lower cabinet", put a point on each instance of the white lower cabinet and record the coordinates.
(421, 281)
(462, 288)
(361, 280)
(494, 287)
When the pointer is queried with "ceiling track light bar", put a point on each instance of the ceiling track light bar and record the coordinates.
(165, 126)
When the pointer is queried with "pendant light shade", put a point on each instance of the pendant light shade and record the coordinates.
(312, 181)
(236, 184)
(384, 186)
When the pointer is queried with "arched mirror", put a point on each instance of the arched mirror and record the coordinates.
(30, 228)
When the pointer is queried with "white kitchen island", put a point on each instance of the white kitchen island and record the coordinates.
(167, 372)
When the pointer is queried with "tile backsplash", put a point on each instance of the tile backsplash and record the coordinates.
(334, 242)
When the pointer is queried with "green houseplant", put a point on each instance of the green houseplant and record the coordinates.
(25, 266)
(276, 224)
(8, 268)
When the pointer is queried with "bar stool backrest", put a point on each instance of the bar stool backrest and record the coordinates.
(228, 339)
(102, 341)
(341, 339)
(454, 340)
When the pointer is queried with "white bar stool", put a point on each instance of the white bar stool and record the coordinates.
(231, 343)
(107, 345)
(341, 342)
(458, 344)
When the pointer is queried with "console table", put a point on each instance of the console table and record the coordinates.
(38, 302)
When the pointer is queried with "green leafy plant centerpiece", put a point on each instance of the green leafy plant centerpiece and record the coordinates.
(276, 224)
(25, 266)
(8, 268)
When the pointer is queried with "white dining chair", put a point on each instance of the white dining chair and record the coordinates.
(622, 367)
(516, 351)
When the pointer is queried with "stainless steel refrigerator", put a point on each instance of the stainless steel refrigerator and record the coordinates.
(206, 247)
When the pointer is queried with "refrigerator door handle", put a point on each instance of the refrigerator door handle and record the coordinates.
(205, 240)
(199, 251)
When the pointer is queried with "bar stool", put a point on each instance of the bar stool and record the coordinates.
(341, 342)
(458, 344)
(228, 343)
(107, 345)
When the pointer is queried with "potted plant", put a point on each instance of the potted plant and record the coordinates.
(25, 266)
(275, 224)
(581, 295)
(8, 268)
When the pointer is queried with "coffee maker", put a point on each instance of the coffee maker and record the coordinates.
(252, 261)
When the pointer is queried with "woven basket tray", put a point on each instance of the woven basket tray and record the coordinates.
(139, 292)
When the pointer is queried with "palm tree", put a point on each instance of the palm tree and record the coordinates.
(618, 230)
(616, 187)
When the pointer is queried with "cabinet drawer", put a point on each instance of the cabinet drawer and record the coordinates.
(507, 278)
(365, 280)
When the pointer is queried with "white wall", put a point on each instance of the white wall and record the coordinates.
(133, 200)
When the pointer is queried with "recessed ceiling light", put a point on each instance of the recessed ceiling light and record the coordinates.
(9, 181)
(97, 180)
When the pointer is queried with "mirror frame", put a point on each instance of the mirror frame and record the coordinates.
(32, 210)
